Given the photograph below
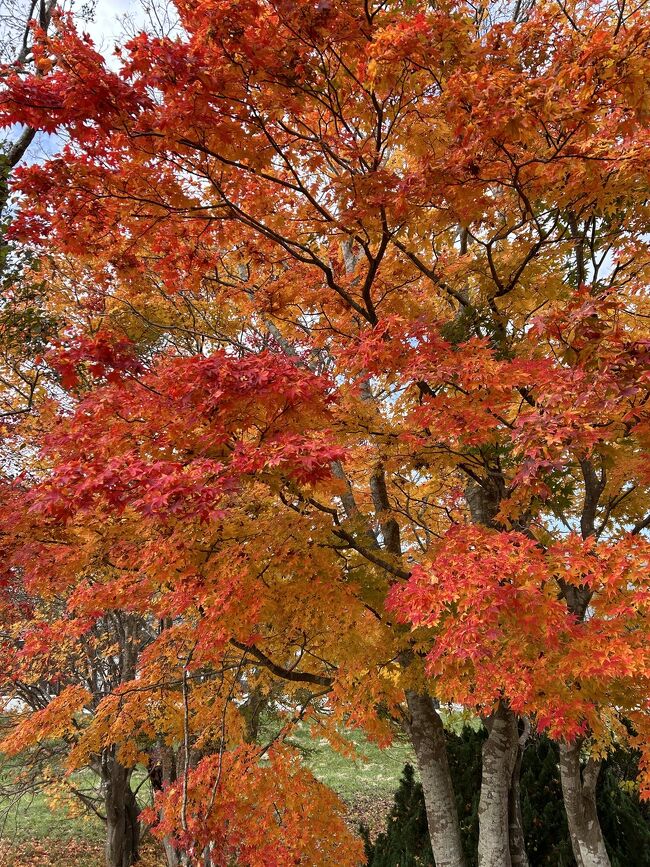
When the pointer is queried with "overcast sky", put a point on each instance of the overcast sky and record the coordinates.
(107, 25)
(105, 30)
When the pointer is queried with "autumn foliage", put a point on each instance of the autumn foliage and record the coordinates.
(349, 401)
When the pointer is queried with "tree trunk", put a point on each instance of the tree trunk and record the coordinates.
(499, 760)
(579, 791)
(163, 772)
(173, 857)
(122, 826)
(518, 854)
(428, 738)
(252, 710)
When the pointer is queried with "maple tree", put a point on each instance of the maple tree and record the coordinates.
(47, 670)
(359, 354)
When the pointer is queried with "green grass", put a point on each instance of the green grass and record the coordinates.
(38, 816)
(34, 817)
(376, 771)
(38, 832)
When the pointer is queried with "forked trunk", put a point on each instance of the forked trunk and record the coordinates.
(499, 761)
(579, 791)
(122, 826)
(428, 738)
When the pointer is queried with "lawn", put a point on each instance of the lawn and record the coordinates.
(38, 833)
(47, 830)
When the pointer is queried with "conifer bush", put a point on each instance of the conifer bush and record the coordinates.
(624, 819)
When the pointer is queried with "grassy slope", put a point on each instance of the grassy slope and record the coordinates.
(44, 835)
(33, 817)
(375, 772)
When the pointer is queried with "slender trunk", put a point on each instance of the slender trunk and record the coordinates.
(173, 857)
(579, 792)
(501, 839)
(122, 826)
(162, 773)
(499, 760)
(517, 842)
(428, 739)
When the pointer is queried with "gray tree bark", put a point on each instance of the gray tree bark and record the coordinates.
(517, 842)
(499, 761)
(173, 857)
(501, 836)
(428, 738)
(579, 792)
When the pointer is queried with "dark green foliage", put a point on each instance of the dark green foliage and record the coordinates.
(625, 821)
(406, 839)
(465, 765)
(24, 324)
(545, 825)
